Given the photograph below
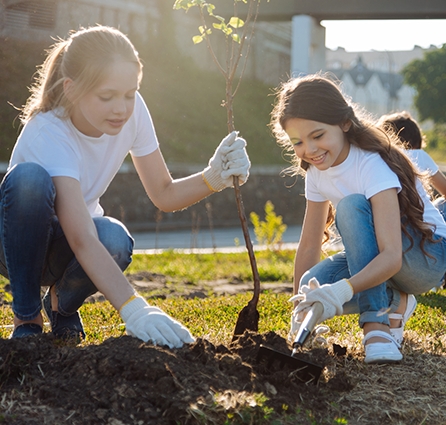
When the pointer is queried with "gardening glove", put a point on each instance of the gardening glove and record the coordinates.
(152, 324)
(296, 321)
(230, 159)
(297, 318)
(298, 315)
(317, 340)
(331, 296)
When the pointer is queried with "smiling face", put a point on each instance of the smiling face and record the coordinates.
(319, 144)
(107, 107)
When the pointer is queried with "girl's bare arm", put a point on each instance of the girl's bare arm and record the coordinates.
(308, 252)
(82, 237)
(438, 181)
(165, 192)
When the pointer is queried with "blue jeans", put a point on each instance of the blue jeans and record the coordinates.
(34, 251)
(440, 204)
(418, 274)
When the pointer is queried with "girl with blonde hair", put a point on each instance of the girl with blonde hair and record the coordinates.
(83, 117)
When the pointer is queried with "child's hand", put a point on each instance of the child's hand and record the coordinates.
(152, 324)
(298, 314)
(230, 159)
(296, 321)
(331, 296)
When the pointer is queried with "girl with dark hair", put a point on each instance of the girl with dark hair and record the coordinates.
(411, 135)
(394, 238)
(83, 117)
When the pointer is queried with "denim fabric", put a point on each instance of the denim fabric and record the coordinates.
(418, 274)
(440, 204)
(34, 251)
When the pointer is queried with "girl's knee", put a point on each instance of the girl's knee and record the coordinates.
(116, 239)
(440, 204)
(351, 207)
(28, 171)
(30, 182)
(305, 279)
(350, 203)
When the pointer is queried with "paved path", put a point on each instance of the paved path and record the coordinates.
(219, 240)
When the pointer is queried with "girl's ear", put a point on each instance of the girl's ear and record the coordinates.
(346, 126)
(68, 86)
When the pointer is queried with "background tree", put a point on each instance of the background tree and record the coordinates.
(428, 77)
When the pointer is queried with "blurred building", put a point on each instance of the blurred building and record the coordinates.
(43, 19)
(373, 78)
(369, 78)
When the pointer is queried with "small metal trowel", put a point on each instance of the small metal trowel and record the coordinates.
(305, 370)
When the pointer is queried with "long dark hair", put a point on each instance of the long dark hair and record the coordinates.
(318, 98)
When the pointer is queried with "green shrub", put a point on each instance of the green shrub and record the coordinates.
(270, 231)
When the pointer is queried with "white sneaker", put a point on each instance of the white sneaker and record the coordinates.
(411, 305)
(381, 352)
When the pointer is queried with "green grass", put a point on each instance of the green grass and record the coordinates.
(272, 266)
(214, 317)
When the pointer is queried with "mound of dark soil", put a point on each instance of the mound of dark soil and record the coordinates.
(126, 381)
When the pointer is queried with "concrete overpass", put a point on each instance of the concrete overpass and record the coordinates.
(308, 35)
(284, 10)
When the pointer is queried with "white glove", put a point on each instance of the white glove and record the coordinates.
(298, 314)
(331, 296)
(317, 340)
(297, 317)
(152, 324)
(230, 159)
(296, 321)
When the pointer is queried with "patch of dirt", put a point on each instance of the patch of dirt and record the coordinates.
(161, 286)
(124, 381)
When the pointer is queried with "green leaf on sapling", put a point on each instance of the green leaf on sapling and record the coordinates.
(236, 22)
(197, 39)
(236, 38)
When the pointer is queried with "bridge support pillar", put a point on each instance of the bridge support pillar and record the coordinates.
(307, 45)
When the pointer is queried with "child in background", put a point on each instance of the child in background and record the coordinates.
(414, 141)
(83, 117)
(394, 238)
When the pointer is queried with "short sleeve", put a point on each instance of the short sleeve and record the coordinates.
(145, 141)
(48, 146)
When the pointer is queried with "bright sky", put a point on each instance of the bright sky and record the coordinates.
(356, 36)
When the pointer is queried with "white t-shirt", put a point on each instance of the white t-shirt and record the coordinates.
(423, 161)
(364, 173)
(62, 150)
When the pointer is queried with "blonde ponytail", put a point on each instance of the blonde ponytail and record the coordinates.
(47, 91)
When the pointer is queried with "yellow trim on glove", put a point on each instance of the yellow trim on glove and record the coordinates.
(127, 302)
(351, 286)
(207, 183)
